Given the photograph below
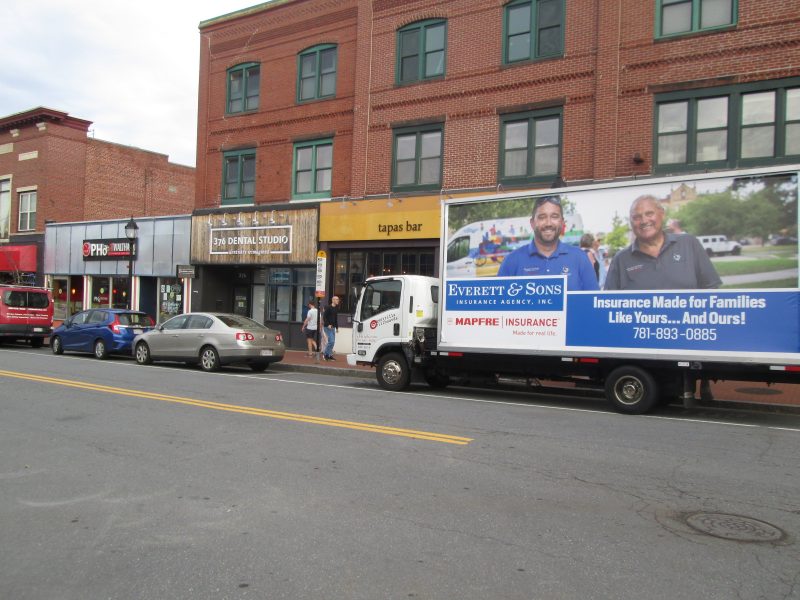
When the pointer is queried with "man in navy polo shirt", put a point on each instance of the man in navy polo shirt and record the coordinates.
(546, 254)
(658, 259)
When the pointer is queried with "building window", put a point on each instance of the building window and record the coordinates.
(728, 127)
(352, 267)
(316, 73)
(27, 211)
(243, 88)
(421, 51)
(5, 209)
(676, 17)
(239, 177)
(530, 146)
(417, 160)
(288, 292)
(533, 29)
(313, 167)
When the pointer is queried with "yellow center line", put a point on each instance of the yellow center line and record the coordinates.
(410, 433)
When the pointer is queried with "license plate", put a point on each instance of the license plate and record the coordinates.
(266, 353)
(38, 329)
(137, 331)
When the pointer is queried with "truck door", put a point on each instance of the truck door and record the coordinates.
(378, 316)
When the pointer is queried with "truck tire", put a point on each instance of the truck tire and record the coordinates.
(393, 373)
(631, 390)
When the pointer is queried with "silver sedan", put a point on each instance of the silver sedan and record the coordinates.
(211, 340)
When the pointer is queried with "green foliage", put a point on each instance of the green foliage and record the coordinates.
(754, 206)
(617, 238)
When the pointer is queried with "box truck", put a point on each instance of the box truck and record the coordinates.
(663, 323)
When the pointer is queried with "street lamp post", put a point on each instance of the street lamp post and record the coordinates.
(131, 232)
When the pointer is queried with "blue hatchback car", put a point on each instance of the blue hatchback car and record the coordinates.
(101, 331)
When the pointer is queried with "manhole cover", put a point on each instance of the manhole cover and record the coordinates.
(734, 527)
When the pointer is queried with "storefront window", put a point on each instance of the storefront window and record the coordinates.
(120, 290)
(75, 295)
(100, 292)
(288, 291)
(60, 299)
(170, 298)
(348, 275)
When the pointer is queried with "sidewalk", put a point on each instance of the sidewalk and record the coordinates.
(728, 394)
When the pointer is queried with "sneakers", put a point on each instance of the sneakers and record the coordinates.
(329, 358)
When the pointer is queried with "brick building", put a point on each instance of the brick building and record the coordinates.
(378, 109)
(52, 171)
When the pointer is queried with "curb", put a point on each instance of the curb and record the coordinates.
(320, 370)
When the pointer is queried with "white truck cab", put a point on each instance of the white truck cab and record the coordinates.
(387, 315)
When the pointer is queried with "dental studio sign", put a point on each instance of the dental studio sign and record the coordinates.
(114, 249)
(254, 241)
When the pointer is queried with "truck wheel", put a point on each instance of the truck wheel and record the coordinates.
(631, 390)
(436, 380)
(393, 373)
(736, 251)
(37, 342)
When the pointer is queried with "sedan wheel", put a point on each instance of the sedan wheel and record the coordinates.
(209, 359)
(100, 350)
(56, 346)
(143, 356)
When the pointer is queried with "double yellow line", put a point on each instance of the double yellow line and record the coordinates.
(247, 410)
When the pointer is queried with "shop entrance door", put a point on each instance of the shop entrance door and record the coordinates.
(241, 300)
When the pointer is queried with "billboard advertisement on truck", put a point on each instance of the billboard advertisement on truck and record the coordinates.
(628, 268)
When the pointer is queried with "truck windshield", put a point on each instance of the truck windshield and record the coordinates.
(380, 296)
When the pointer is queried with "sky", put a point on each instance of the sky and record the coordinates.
(129, 67)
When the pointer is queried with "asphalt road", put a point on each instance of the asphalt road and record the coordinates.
(119, 481)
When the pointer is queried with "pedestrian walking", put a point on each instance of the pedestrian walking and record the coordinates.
(330, 321)
(310, 327)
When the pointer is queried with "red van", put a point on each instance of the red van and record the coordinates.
(26, 313)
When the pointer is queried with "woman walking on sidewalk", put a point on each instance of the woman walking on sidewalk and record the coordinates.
(310, 326)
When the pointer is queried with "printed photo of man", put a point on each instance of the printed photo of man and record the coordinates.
(659, 259)
(546, 254)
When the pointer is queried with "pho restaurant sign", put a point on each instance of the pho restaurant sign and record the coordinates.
(112, 249)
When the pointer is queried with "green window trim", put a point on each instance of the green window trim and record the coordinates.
(675, 18)
(312, 169)
(533, 30)
(243, 88)
(238, 177)
(756, 124)
(530, 146)
(417, 157)
(316, 73)
(421, 51)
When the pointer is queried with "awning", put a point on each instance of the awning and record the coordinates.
(18, 258)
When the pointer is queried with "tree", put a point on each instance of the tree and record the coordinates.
(618, 237)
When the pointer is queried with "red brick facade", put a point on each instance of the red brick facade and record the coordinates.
(605, 82)
(78, 178)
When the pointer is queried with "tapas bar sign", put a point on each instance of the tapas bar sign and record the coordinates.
(253, 241)
(113, 249)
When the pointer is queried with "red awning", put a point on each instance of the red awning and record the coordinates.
(18, 258)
